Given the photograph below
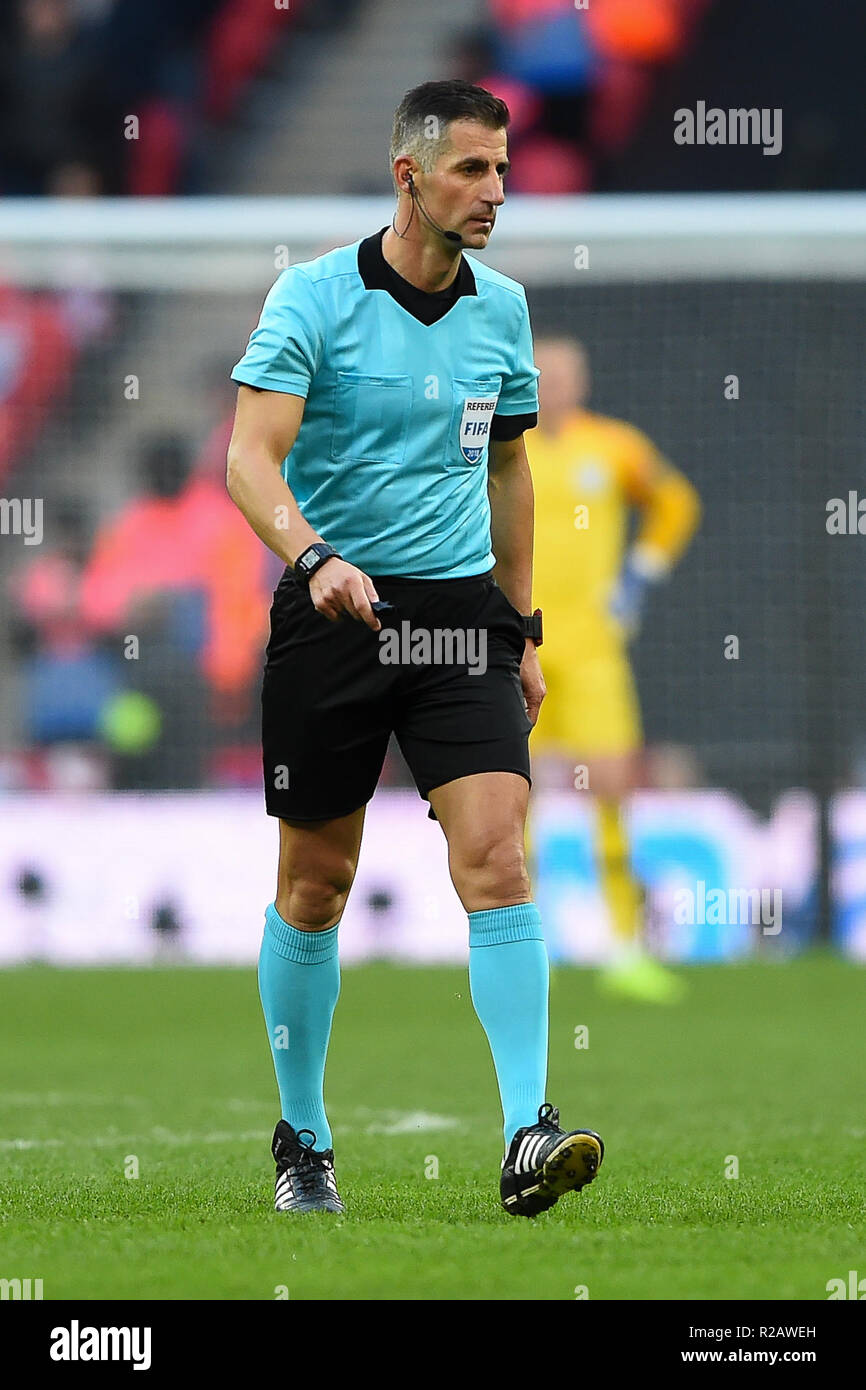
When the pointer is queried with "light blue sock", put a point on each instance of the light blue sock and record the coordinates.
(508, 981)
(299, 983)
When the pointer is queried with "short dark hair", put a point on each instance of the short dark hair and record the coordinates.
(422, 119)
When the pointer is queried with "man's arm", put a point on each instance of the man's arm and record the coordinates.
(265, 429)
(512, 508)
(512, 514)
(670, 512)
(671, 509)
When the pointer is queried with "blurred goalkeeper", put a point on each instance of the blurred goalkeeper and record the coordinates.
(589, 473)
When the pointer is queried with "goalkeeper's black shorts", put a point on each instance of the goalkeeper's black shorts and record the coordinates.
(333, 693)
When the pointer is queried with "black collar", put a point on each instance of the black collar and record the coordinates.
(377, 274)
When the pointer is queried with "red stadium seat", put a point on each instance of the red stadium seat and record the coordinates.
(546, 165)
(524, 104)
(508, 12)
(620, 98)
(36, 357)
(238, 46)
(156, 157)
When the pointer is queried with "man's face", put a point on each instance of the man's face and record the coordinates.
(465, 188)
(564, 381)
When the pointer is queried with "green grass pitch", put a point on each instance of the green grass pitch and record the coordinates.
(762, 1063)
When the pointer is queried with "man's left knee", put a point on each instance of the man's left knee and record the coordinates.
(493, 869)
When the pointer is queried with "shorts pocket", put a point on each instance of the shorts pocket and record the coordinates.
(371, 417)
(512, 618)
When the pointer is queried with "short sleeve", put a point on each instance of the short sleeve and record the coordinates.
(519, 394)
(285, 348)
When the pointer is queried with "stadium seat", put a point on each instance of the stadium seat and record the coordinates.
(238, 47)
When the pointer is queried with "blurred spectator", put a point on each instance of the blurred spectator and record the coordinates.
(549, 49)
(73, 72)
(546, 46)
(42, 334)
(66, 679)
(632, 37)
(74, 180)
(221, 394)
(184, 550)
(473, 58)
(647, 31)
(36, 355)
(580, 79)
(52, 108)
(546, 165)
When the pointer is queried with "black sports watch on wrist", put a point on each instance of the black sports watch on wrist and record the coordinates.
(532, 628)
(312, 559)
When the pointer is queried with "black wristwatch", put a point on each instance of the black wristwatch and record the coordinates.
(532, 628)
(312, 559)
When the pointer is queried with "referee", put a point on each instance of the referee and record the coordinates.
(378, 450)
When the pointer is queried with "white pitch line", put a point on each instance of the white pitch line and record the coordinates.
(55, 1098)
(117, 1141)
(411, 1121)
(390, 1122)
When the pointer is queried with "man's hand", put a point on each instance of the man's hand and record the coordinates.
(628, 600)
(534, 689)
(338, 587)
(642, 569)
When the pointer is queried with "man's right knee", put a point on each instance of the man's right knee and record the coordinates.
(317, 868)
(313, 888)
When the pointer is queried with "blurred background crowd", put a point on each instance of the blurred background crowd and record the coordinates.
(103, 98)
(585, 84)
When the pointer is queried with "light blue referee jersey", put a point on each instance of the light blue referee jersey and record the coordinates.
(390, 462)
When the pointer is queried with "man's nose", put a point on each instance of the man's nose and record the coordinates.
(494, 193)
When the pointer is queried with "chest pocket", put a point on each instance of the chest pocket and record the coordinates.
(371, 417)
(471, 418)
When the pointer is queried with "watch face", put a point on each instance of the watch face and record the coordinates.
(308, 562)
(304, 563)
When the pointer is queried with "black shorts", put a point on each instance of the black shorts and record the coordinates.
(333, 693)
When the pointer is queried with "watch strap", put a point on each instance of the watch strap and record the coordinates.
(533, 628)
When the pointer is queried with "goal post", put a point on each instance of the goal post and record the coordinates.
(207, 243)
(728, 328)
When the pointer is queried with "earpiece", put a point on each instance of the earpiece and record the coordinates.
(454, 237)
